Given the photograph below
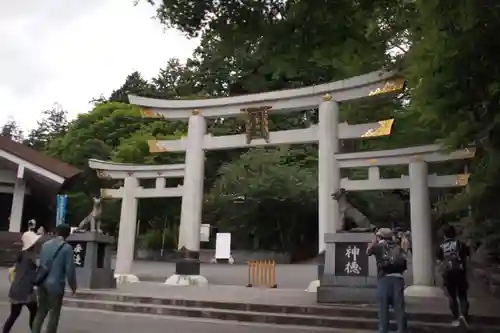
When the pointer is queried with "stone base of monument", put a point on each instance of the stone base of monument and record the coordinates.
(349, 274)
(92, 257)
(187, 280)
(126, 278)
(187, 270)
(313, 286)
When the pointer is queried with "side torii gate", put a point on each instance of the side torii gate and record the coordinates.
(129, 193)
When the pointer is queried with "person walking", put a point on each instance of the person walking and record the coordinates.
(391, 264)
(22, 278)
(452, 260)
(56, 266)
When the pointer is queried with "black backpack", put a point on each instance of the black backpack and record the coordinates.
(393, 258)
(452, 262)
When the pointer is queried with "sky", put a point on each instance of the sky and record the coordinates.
(70, 51)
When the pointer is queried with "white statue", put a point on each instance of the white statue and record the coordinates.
(93, 221)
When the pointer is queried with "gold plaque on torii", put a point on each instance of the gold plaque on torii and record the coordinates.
(257, 123)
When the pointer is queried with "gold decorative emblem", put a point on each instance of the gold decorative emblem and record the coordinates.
(462, 179)
(103, 174)
(105, 194)
(195, 112)
(327, 97)
(148, 113)
(156, 147)
(257, 123)
(372, 161)
(389, 86)
(467, 153)
(384, 129)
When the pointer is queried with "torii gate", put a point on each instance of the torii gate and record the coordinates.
(327, 133)
(129, 193)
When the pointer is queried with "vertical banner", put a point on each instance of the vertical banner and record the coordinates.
(61, 201)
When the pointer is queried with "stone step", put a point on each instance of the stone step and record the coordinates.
(345, 322)
(340, 310)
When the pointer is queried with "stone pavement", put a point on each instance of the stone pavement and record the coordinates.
(292, 297)
(91, 321)
(295, 276)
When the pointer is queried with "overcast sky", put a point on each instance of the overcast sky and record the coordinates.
(70, 51)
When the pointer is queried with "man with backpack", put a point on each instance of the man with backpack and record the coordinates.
(452, 256)
(391, 264)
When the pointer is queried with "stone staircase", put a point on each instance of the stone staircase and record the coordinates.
(355, 318)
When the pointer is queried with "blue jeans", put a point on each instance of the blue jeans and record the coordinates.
(390, 291)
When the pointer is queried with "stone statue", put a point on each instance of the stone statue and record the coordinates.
(352, 219)
(93, 221)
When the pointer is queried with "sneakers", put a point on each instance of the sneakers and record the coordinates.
(463, 322)
(460, 322)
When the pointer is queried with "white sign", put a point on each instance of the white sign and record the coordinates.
(223, 246)
(205, 233)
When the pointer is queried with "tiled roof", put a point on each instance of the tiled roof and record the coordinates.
(41, 160)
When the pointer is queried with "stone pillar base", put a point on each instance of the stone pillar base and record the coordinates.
(126, 278)
(187, 280)
(424, 291)
(313, 286)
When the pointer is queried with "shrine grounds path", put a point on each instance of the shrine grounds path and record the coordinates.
(90, 321)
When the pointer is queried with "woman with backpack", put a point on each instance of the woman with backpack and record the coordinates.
(452, 258)
(22, 277)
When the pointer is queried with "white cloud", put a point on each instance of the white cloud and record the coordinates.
(69, 51)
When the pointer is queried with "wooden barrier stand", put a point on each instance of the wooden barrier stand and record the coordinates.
(262, 273)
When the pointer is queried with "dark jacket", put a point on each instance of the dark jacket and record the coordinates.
(22, 288)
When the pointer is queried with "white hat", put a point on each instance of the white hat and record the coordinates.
(29, 238)
(385, 233)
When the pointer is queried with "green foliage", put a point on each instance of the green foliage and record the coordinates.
(454, 73)
(12, 130)
(280, 198)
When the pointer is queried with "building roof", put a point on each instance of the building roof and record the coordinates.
(41, 160)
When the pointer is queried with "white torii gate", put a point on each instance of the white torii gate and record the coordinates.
(327, 133)
(129, 193)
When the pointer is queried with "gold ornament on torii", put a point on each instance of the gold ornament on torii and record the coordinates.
(148, 113)
(462, 180)
(389, 86)
(384, 129)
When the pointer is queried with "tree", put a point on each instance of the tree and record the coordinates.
(134, 84)
(52, 126)
(454, 73)
(12, 130)
(279, 200)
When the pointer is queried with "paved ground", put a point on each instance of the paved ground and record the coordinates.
(88, 321)
(296, 276)
(293, 297)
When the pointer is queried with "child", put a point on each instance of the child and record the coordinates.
(22, 277)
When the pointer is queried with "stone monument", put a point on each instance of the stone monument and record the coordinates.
(92, 252)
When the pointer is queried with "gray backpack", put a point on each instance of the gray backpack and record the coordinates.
(393, 258)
